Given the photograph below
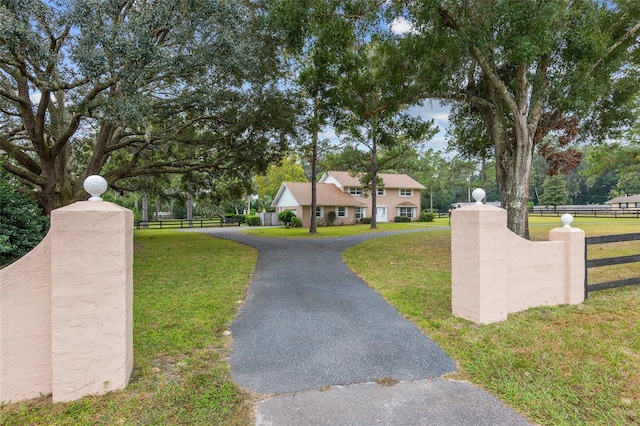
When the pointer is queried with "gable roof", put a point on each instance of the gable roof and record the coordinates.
(626, 199)
(327, 194)
(390, 180)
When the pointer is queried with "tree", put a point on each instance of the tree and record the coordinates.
(555, 191)
(621, 163)
(368, 89)
(527, 69)
(22, 224)
(289, 170)
(131, 88)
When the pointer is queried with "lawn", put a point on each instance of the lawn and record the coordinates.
(187, 288)
(568, 365)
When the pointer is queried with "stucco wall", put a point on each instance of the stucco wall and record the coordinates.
(495, 272)
(66, 308)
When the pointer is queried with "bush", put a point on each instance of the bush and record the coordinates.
(285, 217)
(296, 222)
(23, 224)
(402, 219)
(253, 220)
(427, 217)
(239, 217)
(331, 218)
(365, 220)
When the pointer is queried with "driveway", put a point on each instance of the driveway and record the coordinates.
(332, 351)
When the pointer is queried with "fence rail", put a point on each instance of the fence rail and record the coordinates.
(625, 213)
(184, 223)
(593, 263)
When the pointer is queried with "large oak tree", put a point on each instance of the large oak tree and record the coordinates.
(133, 88)
(527, 69)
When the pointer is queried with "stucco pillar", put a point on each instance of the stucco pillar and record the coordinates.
(479, 263)
(91, 299)
(575, 261)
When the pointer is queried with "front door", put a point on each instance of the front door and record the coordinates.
(381, 215)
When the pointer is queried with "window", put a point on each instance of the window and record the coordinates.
(624, 205)
(406, 192)
(360, 212)
(406, 211)
(637, 205)
(341, 212)
(355, 191)
(381, 191)
(319, 212)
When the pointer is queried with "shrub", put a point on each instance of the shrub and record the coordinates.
(253, 220)
(285, 217)
(365, 220)
(427, 217)
(296, 222)
(23, 224)
(240, 217)
(402, 219)
(331, 218)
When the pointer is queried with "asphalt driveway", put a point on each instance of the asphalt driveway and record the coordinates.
(334, 352)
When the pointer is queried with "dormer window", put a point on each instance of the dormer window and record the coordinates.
(355, 191)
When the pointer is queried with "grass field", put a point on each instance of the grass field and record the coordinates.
(567, 365)
(186, 291)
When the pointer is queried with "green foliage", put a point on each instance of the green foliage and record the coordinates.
(426, 216)
(22, 224)
(296, 222)
(401, 219)
(126, 91)
(289, 170)
(555, 191)
(253, 221)
(365, 220)
(331, 218)
(286, 216)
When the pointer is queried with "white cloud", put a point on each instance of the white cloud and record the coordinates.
(401, 26)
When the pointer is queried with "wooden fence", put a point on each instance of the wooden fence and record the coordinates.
(593, 263)
(185, 223)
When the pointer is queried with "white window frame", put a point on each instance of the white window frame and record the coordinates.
(346, 212)
(360, 212)
(319, 209)
(402, 211)
(381, 192)
(402, 192)
(355, 191)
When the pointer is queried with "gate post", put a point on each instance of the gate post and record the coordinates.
(91, 299)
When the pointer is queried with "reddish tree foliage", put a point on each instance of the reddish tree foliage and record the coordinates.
(553, 135)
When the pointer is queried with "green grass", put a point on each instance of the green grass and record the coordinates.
(186, 291)
(567, 365)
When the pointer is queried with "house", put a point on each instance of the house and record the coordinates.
(626, 202)
(342, 193)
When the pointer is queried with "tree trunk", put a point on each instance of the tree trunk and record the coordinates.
(313, 229)
(513, 171)
(374, 174)
(190, 209)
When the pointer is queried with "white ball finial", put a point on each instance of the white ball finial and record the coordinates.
(95, 185)
(478, 195)
(566, 219)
